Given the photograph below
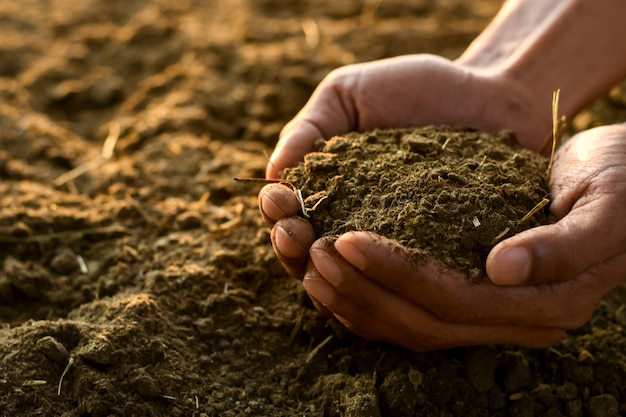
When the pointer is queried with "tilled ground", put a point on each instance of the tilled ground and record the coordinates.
(136, 278)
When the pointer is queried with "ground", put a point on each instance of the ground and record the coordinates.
(136, 278)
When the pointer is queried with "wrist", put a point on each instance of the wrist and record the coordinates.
(508, 104)
(533, 48)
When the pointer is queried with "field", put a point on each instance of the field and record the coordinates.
(136, 277)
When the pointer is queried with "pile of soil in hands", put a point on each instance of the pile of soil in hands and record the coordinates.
(180, 307)
(446, 193)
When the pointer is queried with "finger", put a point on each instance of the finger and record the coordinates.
(591, 232)
(277, 201)
(291, 239)
(353, 301)
(330, 111)
(449, 295)
(355, 319)
(296, 140)
(384, 316)
(555, 253)
(387, 264)
(323, 310)
(319, 306)
(588, 183)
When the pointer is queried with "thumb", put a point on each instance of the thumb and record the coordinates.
(330, 111)
(296, 140)
(586, 236)
(589, 192)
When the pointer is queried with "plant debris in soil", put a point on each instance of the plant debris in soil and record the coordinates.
(147, 285)
(446, 193)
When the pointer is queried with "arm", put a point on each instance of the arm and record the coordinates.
(539, 46)
(504, 80)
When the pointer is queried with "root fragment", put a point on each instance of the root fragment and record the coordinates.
(317, 348)
(65, 371)
(534, 210)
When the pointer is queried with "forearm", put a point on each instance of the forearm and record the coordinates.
(538, 46)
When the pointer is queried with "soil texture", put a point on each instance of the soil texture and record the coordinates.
(136, 277)
(448, 194)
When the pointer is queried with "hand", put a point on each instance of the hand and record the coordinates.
(406, 91)
(369, 283)
(588, 191)
(376, 95)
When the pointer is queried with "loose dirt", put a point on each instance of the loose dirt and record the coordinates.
(448, 194)
(144, 284)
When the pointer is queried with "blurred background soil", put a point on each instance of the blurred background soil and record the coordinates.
(136, 278)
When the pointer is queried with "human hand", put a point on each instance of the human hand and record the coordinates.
(370, 284)
(291, 235)
(588, 192)
(409, 91)
(404, 91)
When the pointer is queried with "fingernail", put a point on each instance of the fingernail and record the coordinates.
(272, 169)
(287, 245)
(326, 266)
(351, 253)
(271, 210)
(511, 266)
(319, 289)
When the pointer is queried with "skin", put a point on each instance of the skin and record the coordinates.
(542, 282)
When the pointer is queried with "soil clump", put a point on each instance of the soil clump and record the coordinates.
(449, 194)
(147, 285)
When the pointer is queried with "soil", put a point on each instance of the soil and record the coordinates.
(136, 277)
(449, 194)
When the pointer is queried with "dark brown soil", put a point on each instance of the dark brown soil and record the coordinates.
(449, 194)
(144, 284)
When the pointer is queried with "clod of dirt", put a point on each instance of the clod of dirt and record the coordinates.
(52, 349)
(448, 193)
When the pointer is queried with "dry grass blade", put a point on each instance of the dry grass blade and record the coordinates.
(534, 210)
(540, 205)
(107, 153)
(34, 383)
(555, 130)
(258, 180)
(317, 348)
(65, 371)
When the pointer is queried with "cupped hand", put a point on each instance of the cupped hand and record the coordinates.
(405, 91)
(374, 287)
(409, 91)
(542, 282)
(588, 192)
